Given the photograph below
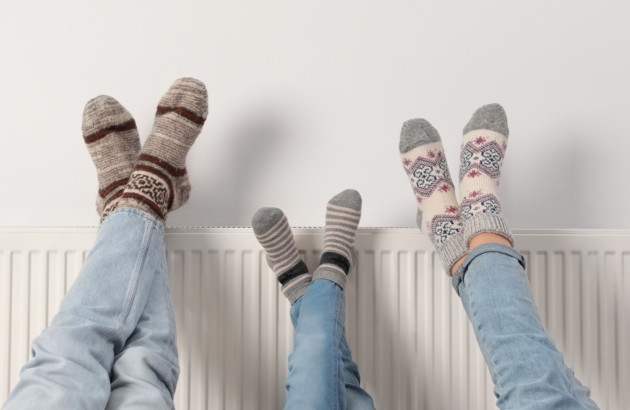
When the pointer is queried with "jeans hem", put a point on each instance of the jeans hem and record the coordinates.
(458, 276)
(157, 223)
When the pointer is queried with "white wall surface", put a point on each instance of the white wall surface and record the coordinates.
(307, 98)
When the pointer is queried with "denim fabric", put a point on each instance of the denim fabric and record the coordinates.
(527, 370)
(145, 373)
(322, 374)
(114, 316)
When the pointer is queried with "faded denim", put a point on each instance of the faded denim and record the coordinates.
(112, 343)
(527, 369)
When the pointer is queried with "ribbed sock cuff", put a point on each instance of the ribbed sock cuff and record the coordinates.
(492, 223)
(332, 273)
(451, 250)
(296, 288)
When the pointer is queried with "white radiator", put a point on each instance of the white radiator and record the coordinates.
(406, 326)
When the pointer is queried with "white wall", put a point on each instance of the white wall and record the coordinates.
(307, 98)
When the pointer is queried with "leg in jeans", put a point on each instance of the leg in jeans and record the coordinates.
(356, 396)
(316, 371)
(321, 371)
(145, 373)
(527, 370)
(72, 358)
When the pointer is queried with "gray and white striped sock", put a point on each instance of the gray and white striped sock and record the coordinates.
(343, 214)
(272, 230)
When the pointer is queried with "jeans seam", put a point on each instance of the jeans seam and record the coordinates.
(119, 327)
(483, 339)
(337, 351)
(127, 303)
(140, 262)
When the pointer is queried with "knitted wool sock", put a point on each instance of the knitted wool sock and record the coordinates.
(343, 213)
(424, 161)
(483, 149)
(274, 234)
(159, 182)
(111, 137)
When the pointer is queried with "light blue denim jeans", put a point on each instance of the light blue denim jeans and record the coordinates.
(322, 374)
(112, 343)
(527, 369)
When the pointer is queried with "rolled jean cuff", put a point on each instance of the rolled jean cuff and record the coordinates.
(136, 212)
(458, 276)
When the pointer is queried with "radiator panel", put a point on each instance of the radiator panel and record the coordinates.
(406, 327)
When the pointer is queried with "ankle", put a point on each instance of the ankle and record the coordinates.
(488, 237)
(457, 264)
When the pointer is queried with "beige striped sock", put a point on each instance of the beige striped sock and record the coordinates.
(159, 182)
(343, 214)
(272, 230)
(111, 137)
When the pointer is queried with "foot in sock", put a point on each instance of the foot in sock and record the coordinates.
(111, 137)
(343, 214)
(483, 149)
(272, 230)
(438, 214)
(159, 182)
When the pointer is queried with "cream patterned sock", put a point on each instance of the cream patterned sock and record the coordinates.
(438, 214)
(483, 149)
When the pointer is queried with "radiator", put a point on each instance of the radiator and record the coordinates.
(406, 327)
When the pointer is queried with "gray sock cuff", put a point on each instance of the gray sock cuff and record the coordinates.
(451, 250)
(297, 291)
(492, 223)
(324, 272)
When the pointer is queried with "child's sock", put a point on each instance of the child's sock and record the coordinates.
(438, 215)
(343, 213)
(111, 137)
(159, 182)
(274, 234)
(483, 148)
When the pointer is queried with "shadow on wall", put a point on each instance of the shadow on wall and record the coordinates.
(249, 151)
(559, 176)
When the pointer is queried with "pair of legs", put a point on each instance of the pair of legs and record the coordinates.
(112, 344)
(322, 374)
(475, 246)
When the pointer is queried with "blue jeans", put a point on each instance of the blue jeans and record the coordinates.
(112, 343)
(527, 370)
(322, 374)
